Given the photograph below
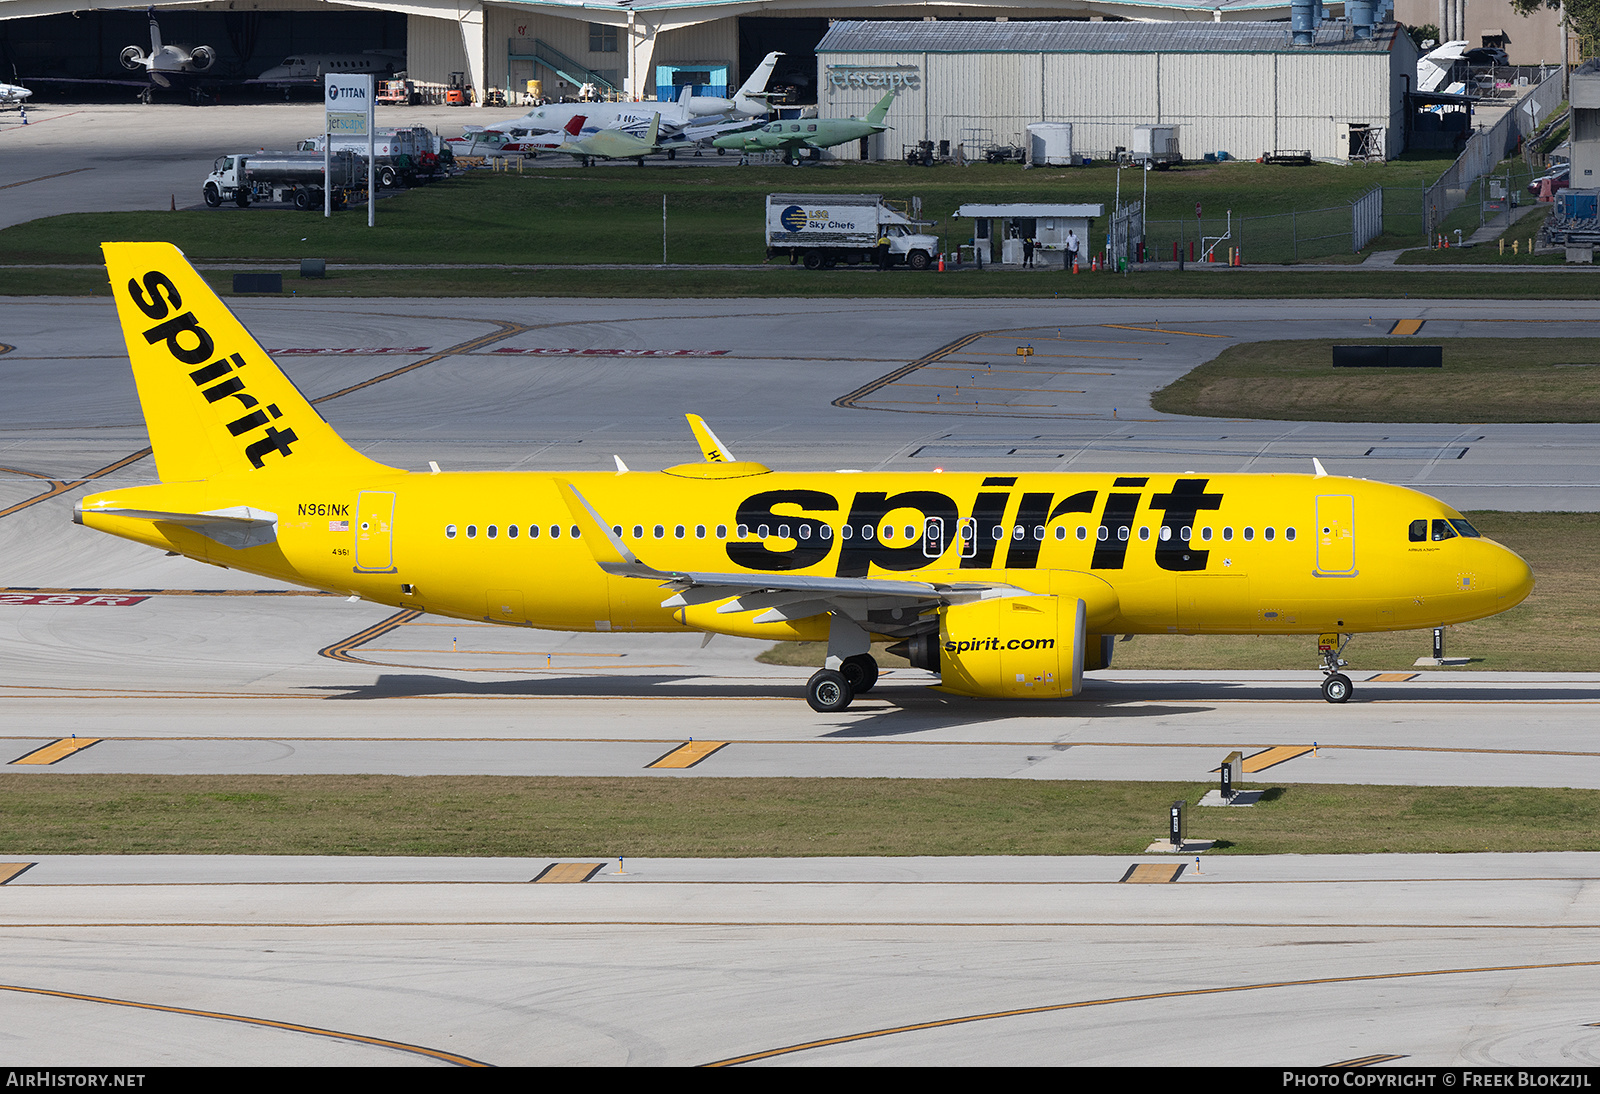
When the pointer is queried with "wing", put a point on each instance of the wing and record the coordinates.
(883, 605)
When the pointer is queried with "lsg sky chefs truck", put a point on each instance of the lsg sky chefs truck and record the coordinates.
(250, 177)
(823, 230)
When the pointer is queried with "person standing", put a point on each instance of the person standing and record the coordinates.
(1072, 249)
(1027, 253)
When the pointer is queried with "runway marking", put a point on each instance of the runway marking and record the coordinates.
(1406, 326)
(1014, 371)
(1153, 873)
(56, 751)
(569, 873)
(1147, 997)
(1393, 677)
(43, 178)
(339, 651)
(146, 593)
(57, 600)
(1368, 1061)
(688, 755)
(848, 402)
(1163, 330)
(1272, 757)
(12, 870)
(291, 1027)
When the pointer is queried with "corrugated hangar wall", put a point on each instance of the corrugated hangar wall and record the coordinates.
(1244, 104)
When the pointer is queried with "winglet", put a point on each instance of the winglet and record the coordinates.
(1322, 472)
(610, 553)
(711, 445)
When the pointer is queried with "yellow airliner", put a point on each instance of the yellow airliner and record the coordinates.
(1007, 586)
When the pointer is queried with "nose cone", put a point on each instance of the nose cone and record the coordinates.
(1514, 580)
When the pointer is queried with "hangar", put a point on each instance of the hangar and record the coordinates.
(639, 49)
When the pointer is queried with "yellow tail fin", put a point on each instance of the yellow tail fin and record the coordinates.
(214, 403)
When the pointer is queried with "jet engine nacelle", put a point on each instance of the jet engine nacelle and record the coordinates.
(1021, 647)
(133, 58)
(202, 57)
(703, 105)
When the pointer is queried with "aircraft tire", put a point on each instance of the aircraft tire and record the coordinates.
(213, 195)
(860, 672)
(828, 692)
(1336, 688)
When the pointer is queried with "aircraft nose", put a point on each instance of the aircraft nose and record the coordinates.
(1514, 579)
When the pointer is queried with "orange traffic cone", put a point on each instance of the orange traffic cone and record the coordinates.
(941, 262)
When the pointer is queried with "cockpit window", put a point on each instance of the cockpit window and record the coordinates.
(1464, 528)
(1419, 531)
(1442, 530)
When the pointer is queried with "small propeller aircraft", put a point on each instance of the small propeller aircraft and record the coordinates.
(1008, 586)
(795, 136)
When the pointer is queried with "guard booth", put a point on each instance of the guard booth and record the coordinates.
(998, 230)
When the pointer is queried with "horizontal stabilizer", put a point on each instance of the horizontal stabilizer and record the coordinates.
(238, 527)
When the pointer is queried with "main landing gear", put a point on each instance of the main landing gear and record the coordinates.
(1336, 686)
(831, 690)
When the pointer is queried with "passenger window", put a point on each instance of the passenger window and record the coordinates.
(511, 531)
(744, 531)
(1418, 531)
(1288, 534)
(762, 532)
(997, 533)
(1227, 534)
(472, 531)
(866, 531)
(449, 531)
(1184, 533)
(1442, 530)
(1205, 534)
(492, 531)
(1100, 533)
(722, 531)
(888, 531)
(1249, 534)
(699, 531)
(678, 531)
(1267, 534)
(616, 530)
(555, 531)
(1144, 533)
(659, 530)
(574, 532)
(1083, 533)
(911, 533)
(1018, 531)
(845, 531)
(533, 531)
(638, 531)
(1122, 533)
(824, 531)
(1166, 533)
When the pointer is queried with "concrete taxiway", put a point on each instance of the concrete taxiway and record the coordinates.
(1295, 960)
(171, 666)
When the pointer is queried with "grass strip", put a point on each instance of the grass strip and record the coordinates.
(784, 282)
(720, 818)
(1483, 380)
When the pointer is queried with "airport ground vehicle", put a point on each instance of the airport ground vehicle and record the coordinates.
(1009, 586)
(823, 230)
(247, 178)
(407, 154)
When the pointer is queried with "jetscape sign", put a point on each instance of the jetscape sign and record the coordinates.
(874, 78)
(349, 105)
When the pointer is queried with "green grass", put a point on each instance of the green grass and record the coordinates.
(564, 214)
(711, 817)
(784, 282)
(1483, 380)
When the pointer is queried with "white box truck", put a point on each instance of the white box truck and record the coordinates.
(1157, 144)
(245, 178)
(823, 230)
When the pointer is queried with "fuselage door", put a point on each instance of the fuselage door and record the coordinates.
(374, 532)
(1336, 535)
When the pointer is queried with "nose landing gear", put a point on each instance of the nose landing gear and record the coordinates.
(1336, 686)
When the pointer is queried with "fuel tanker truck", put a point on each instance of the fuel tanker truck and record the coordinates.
(293, 177)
